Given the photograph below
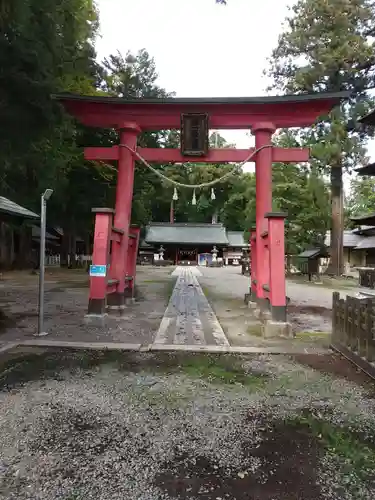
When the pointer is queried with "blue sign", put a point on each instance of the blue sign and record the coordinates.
(98, 271)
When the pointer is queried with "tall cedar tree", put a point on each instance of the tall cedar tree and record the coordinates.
(328, 45)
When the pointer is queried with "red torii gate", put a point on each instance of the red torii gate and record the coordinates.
(263, 115)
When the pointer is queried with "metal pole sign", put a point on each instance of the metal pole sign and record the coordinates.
(43, 219)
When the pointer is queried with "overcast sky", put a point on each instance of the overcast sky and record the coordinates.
(201, 49)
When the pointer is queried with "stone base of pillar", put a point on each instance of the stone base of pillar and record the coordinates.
(272, 329)
(264, 315)
(254, 307)
(96, 319)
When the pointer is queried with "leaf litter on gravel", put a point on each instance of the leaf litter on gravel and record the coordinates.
(142, 426)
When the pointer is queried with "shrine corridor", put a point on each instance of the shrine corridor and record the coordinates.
(189, 318)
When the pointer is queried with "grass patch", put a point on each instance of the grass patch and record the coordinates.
(355, 456)
(220, 370)
(255, 330)
(324, 282)
(312, 334)
(323, 338)
(51, 364)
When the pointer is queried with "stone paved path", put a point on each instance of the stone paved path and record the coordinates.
(189, 318)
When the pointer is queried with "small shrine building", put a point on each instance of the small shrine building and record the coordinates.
(194, 244)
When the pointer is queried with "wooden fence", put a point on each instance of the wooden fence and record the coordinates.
(353, 326)
(80, 260)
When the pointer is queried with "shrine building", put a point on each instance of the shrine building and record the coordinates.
(193, 243)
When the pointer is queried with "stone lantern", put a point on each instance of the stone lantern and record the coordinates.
(214, 252)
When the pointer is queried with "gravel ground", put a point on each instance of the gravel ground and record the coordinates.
(66, 300)
(141, 426)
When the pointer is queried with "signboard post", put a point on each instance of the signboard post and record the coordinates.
(42, 255)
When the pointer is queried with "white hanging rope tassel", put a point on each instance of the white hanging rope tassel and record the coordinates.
(194, 200)
(175, 195)
(213, 196)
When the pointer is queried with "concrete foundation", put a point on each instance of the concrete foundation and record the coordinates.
(253, 306)
(96, 319)
(118, 309)
(272, 329)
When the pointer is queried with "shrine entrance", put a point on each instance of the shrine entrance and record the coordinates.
(112, 276)
(187, 256)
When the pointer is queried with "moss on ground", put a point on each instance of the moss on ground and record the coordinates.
(355, 456)
(221, 370)
(217, 369)
(255, 329)
(169, 287)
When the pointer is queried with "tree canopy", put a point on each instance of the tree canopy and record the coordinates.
(328, 45)
(48, 47)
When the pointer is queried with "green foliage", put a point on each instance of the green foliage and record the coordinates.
(326, 47)
(48, 47)
(45, 47)
(354, 456)
(361, 199)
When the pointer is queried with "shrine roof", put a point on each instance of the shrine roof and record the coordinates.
(11, 208)
(350, 239)
(366, 170)
(236, 239)
(368, 119)
(186, 234)
(224, 112)
(368, 219)
(313, 253)
(366, 243)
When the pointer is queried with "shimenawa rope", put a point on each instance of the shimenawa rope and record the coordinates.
(195, 186)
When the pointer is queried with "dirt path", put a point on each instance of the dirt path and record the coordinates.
(67, 297)
(309, 310)
(164, 427)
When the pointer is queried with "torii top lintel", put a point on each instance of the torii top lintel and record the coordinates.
(286, 111)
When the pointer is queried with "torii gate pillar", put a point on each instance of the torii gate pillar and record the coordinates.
(263, 176)
(128, 133)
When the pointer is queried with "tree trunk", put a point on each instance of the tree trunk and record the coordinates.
(336, 266)
(64, 249)
(72, 251)
(68, 248)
